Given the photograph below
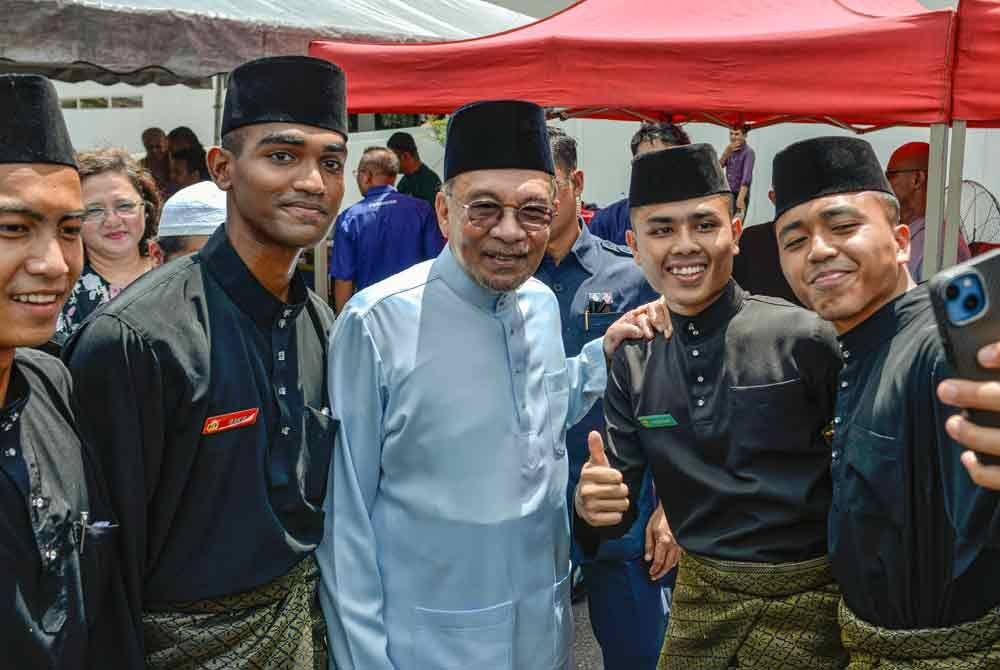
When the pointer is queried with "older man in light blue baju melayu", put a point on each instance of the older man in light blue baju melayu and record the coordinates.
(447, 541)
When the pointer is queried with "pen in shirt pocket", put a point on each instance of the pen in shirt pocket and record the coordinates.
(597, 303)
(83, 526)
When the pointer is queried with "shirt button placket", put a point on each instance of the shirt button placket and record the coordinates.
(280, 342)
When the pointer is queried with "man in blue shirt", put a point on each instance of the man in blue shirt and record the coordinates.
(611, 222)
(385, 233)
(447, 535)
(595, 282)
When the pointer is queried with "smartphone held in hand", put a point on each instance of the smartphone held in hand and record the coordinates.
(966, 299)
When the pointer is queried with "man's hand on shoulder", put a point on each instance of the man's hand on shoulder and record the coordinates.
(980, 440)
(641, 323)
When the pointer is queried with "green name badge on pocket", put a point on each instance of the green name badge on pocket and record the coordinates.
(658, 421)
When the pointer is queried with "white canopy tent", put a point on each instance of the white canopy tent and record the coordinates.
(188, 41)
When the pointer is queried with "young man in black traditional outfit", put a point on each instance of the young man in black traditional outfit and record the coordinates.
(204, 387)
(914, 543)
(729, 413)
(62, 603)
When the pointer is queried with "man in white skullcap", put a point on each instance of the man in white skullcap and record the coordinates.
(189, 217)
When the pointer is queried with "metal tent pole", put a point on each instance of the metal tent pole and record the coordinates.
(953, 210)
(321, 275)
(220, 82)
(935, 199)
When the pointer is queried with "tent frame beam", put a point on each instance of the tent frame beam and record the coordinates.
(953, 206)
(934, 216)
(714, 119)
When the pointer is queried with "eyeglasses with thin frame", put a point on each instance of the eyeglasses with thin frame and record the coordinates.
(127, 210)
(485, 214)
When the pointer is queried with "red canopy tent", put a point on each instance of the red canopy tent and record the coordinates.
(976, 81)
(847, 62)
(976, 84)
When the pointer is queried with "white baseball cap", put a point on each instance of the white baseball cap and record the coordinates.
(194, 210)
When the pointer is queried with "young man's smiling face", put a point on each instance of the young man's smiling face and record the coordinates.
(41, 251)
(844, 255)
(686, 249)
(286, 182)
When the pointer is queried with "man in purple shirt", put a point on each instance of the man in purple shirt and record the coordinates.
(737, 160)
(907, 174)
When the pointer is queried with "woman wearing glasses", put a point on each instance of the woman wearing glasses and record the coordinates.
(121, 216)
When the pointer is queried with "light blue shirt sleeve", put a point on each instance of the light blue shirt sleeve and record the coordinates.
(588, 377)
(351, 591)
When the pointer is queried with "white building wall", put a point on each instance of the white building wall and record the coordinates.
(603, 145)
(164, 106)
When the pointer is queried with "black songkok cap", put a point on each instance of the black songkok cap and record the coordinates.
(497, 135)
(286, 89)
(675, 174)
(32, 128)
(824, 166)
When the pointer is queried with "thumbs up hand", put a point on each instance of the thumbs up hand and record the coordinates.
(601, 496)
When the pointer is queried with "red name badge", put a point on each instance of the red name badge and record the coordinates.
(224, 422)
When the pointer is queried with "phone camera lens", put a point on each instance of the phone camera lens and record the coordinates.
(951, 293)
(971, 303)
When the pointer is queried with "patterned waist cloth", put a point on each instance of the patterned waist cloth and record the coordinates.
(969, 646)
(278, 626)
(760, 616)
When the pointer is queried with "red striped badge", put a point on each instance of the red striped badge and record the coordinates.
(224, 422)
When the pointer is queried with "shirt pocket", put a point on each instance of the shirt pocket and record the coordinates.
(557, 401)
(873, 479)
(319, 431)
(768, 418)
(596, 324)
(98, 563)
(460, 639)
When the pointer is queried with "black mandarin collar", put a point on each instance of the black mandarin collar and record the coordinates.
(17, 397)
(881, 326)
(711, 319)
(243, 288)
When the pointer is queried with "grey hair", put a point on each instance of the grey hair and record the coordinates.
(379, 160)
(563, 149)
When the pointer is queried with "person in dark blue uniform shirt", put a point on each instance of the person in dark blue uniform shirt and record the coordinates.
(203, 388)
(62, 600)
(383, 234)
(595, 282)
(914, 542)
(611, 222)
